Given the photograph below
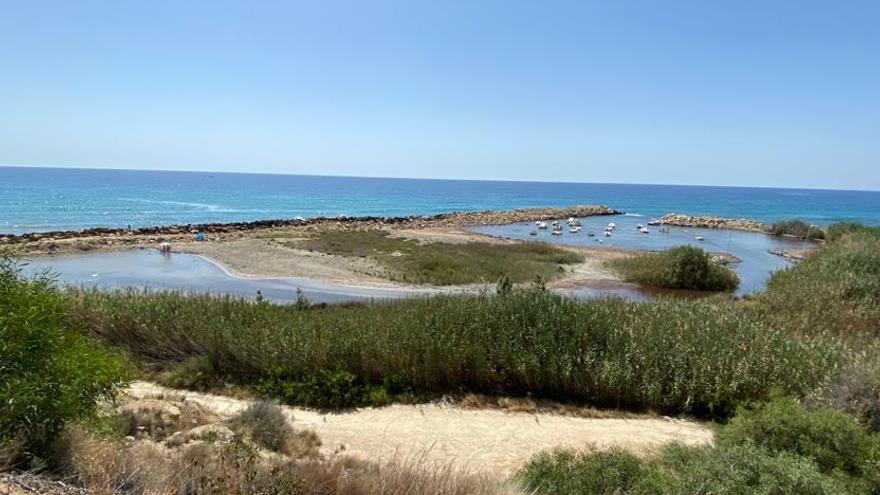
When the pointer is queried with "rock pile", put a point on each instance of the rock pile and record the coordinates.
(709, 222)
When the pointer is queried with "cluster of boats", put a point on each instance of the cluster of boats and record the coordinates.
(574, 226)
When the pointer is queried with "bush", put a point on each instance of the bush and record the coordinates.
(48, 374)
(678, 470)
(681, 267)
(267, 425)
(797, 228)
(830, 438)
(566, 472)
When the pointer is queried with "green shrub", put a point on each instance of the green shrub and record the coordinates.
(681, 267)
(830, 438)
(567, 472)
(736, 470)
(666, 355)
(48, 374)
(797, 228)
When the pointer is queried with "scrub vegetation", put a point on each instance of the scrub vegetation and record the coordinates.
(797, 228)
(443, 263)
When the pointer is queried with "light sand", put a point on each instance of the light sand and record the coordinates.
(488, 441)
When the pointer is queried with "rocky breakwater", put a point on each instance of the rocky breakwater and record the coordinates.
(109, 237)
(709, 222)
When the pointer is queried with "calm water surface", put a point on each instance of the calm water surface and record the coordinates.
(44, 199)
(750, 247)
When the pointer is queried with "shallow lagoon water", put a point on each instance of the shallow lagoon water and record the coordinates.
(752, 248)
(149, 269)
(152, 270)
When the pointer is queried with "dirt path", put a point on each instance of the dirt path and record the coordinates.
(483, 440)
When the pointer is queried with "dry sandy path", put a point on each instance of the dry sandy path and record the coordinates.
(482, 440)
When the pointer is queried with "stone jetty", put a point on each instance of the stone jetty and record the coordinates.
(709, 222)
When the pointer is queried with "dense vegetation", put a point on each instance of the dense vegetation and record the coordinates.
(797, 228)
(836, 290)
(681, 267)
(443, 263)
(48, 373)
(779, 448)
(840, 229)
(673, 356)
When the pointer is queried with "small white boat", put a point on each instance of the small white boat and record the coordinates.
(700, 238)
(556, 232)
(654, 222)
(542, 225)
(643, 230)
(570, 220)
(612, 225)
(607, 233)
(639, 227)
(599, 240)
(574, 230)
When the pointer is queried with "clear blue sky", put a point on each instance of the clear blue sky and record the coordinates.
(690, 92)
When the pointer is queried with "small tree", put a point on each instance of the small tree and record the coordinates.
(49, 374)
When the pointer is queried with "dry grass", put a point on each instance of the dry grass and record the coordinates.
(111, 467)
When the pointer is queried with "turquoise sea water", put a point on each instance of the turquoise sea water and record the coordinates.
(44, 199)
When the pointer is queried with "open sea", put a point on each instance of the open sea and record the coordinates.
(45, 199)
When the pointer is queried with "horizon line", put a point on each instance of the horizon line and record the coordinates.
(526, 181)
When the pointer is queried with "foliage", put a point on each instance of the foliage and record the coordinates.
(676, 470)
(667, 355)
(838, 230)
(797, 228)
(835, 290)
(48, 374)
(444, 263)
(830, 438)
(681, 267)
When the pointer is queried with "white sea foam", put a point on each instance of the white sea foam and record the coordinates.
(200, 206)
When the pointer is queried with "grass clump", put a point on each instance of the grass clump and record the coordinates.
(681, 267)
(797, 228)
(49, 374)
(442, 263)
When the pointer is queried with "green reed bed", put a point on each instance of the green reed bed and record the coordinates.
(671, 356)
(444, 263)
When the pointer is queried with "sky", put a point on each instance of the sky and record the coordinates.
(761, 93)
